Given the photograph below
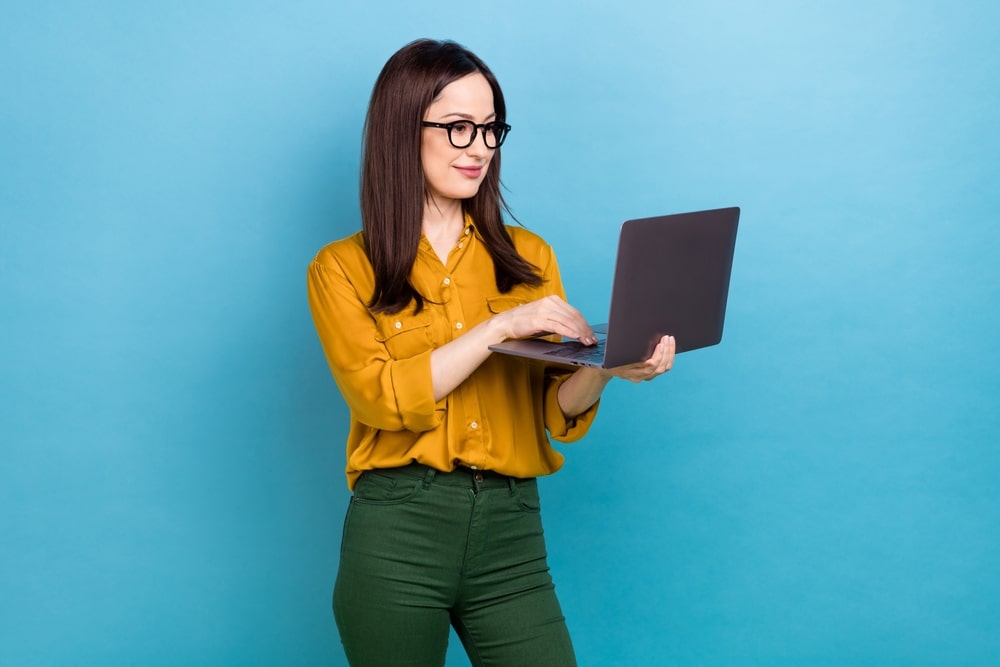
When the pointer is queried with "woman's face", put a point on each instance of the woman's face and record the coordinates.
(456, 173)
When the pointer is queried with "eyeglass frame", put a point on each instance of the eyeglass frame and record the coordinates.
(475, 131)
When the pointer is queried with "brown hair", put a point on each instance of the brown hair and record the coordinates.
(393, 189)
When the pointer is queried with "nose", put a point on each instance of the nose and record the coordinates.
(477, 148)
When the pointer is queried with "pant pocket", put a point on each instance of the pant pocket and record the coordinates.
(376, 488)
(527, 496)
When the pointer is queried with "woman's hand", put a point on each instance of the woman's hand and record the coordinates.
(453, 362)
(546, 315)
(583, 389)
(661, 361)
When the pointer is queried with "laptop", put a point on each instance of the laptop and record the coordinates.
(671, 278)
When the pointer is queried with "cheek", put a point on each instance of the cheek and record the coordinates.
(435, 160)
(427, 159)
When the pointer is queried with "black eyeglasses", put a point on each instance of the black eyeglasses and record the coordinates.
(461, 133)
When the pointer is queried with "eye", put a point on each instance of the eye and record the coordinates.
(461, 129)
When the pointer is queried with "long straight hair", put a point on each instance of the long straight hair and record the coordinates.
(393, 189)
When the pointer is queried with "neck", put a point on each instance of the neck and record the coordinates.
(443, 214)
(443, 225)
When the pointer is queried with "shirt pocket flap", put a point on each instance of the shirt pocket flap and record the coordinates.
(398, 324)
(499, 304)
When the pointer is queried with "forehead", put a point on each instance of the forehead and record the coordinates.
(469, 96)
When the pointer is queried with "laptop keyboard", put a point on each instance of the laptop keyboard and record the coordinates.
(589, 353)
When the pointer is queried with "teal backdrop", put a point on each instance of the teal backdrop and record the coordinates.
(820, 489)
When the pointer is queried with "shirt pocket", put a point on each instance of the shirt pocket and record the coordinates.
(404, 335)
(499, 304)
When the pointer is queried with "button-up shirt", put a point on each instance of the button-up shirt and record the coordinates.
(496, 419)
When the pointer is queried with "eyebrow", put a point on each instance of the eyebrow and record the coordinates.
(465, 116)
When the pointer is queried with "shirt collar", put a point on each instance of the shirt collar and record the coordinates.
(470, 228)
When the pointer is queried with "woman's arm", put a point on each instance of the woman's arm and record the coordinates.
(382, 391)
(453, 362)
(584, 388)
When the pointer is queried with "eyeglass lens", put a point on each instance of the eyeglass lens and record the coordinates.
(462, 133)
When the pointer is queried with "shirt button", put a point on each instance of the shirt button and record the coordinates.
(474, 425)
(399, 325)
(447, 281)
(458, 325)
(460, 245)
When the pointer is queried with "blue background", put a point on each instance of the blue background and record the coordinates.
(820, 489)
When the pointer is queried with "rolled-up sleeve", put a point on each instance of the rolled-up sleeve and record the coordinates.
(385, 392)
(559, 426)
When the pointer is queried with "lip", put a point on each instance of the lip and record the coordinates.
(470, 172)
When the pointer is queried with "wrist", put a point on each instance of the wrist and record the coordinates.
(596, 376)
(496, 329)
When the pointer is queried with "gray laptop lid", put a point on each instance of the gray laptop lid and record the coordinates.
(671, 277)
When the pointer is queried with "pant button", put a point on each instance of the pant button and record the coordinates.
(478, 476)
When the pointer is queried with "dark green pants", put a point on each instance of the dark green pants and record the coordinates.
(424, 550)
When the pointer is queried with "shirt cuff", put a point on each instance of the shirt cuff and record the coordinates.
(559, 426)
(411, 381)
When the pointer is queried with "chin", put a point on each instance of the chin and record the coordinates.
(457, 191)
(463, 193)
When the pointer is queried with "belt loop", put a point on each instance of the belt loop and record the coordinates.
(429, 477)
(513, 485)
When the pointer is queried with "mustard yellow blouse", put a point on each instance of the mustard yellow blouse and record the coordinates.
(496, 420)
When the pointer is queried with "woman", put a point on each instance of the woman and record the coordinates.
(447, 439)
